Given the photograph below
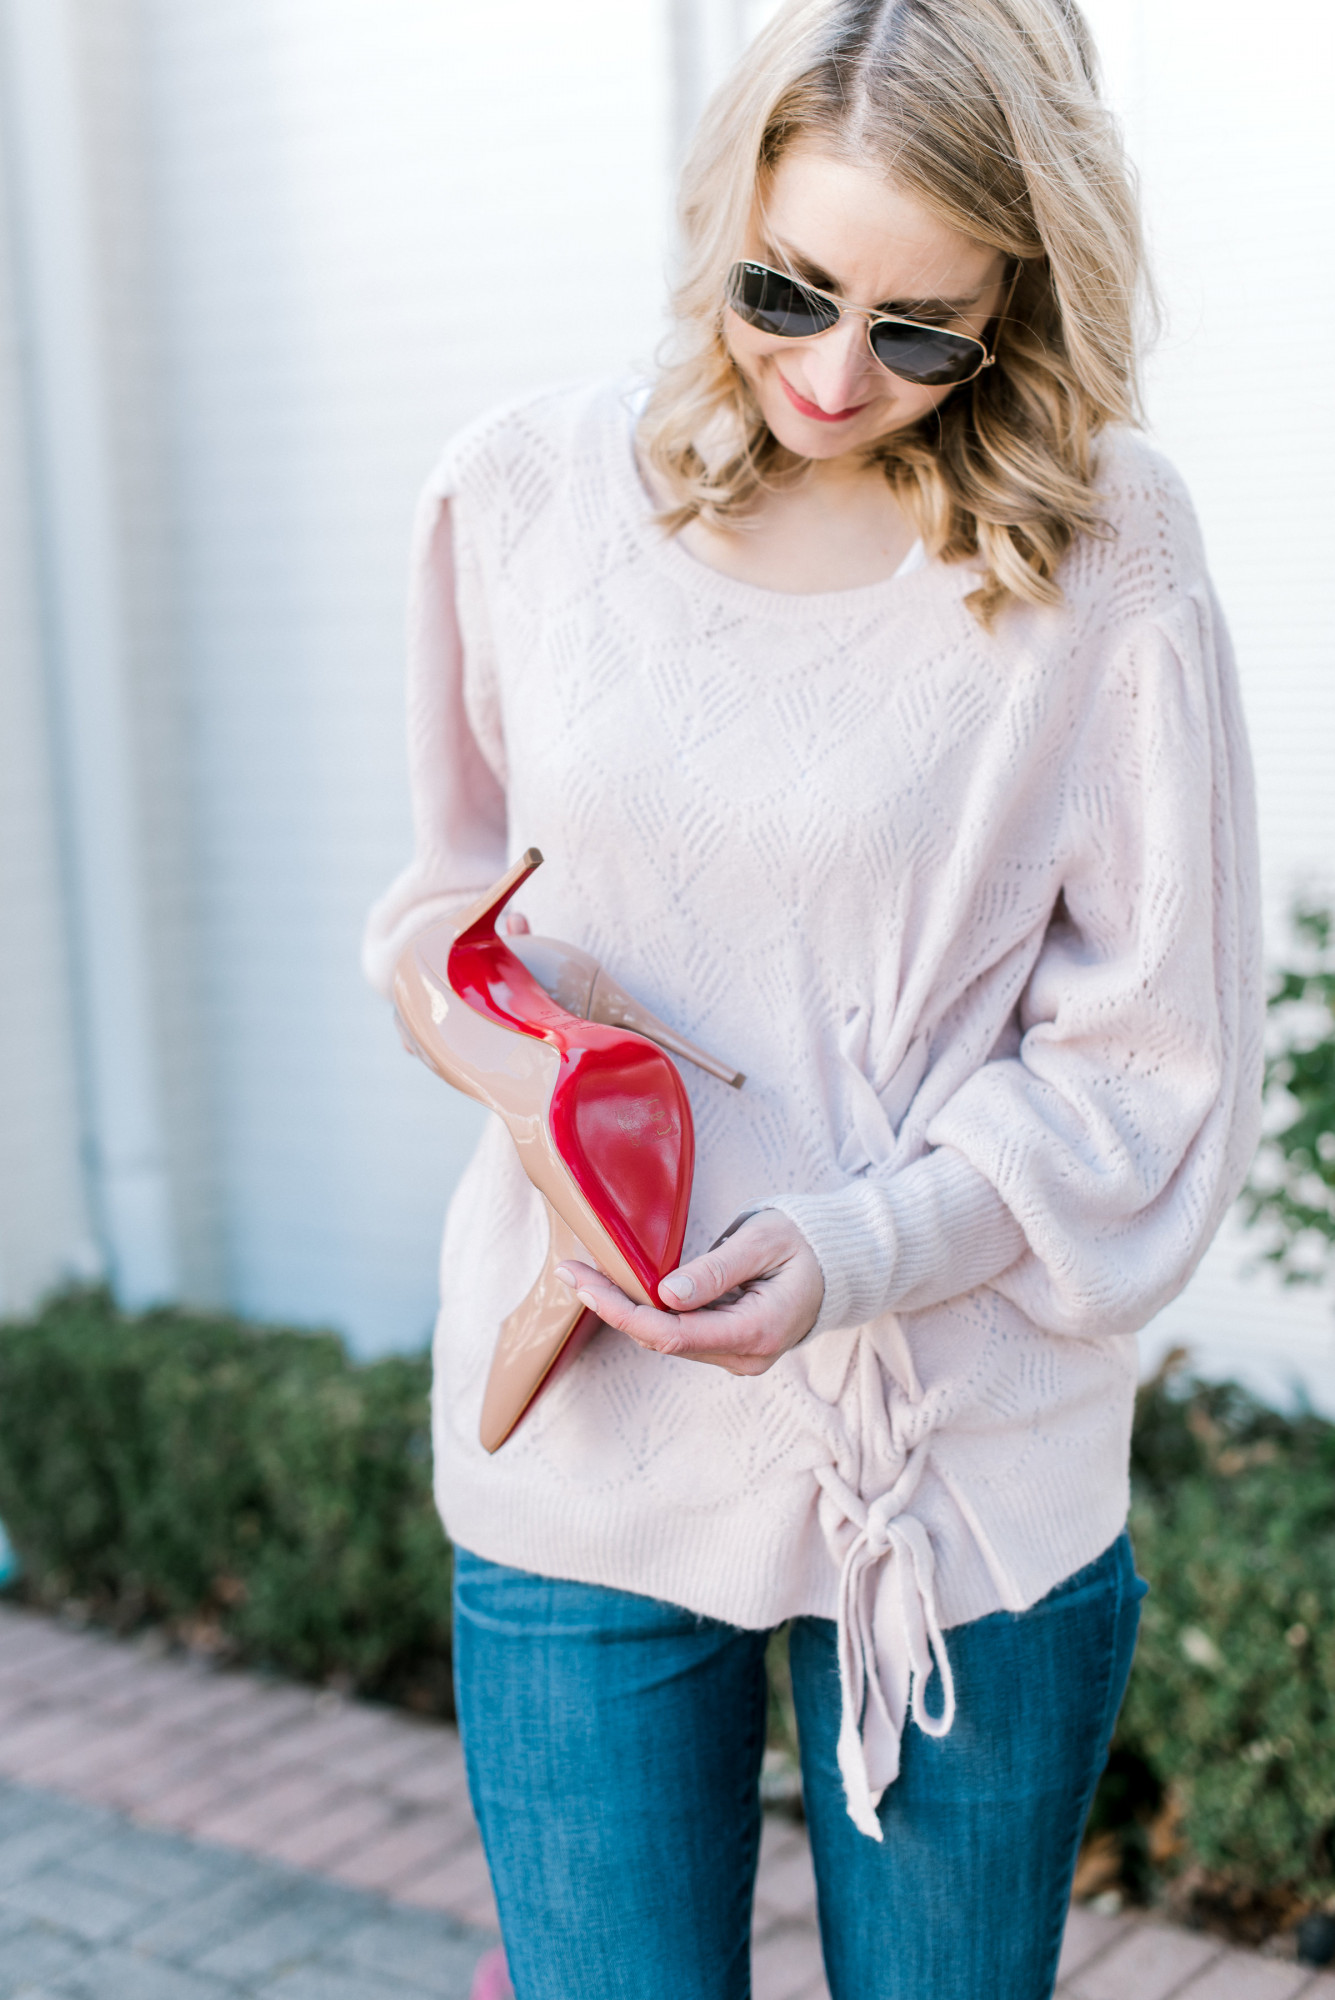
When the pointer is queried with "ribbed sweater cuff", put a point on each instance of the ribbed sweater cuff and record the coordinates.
(931, 1232)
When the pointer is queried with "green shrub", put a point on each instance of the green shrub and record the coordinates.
(1224, 1763)
(1291, 1193)
(253, 1488)
(1231, 1706)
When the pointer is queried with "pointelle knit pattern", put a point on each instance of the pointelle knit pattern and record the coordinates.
(975, 911)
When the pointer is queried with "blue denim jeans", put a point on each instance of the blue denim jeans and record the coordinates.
(613, 1746)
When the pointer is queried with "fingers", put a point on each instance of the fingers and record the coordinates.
(643, 1323)
(689, 1336)
(516, 924)
(744, 1334)
(756, 1248)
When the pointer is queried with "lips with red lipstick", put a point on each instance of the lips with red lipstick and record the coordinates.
(806, 409)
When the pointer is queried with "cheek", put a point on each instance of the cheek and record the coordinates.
(909, 402)
(748, 348)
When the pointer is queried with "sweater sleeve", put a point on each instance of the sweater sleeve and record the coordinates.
(1084, 1175)
(455, 749)
(903, 1241)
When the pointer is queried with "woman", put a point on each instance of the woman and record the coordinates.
(865, 688)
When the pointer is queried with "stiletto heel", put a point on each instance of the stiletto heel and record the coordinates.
(577, 982)
(538, 1340)
(599, 1117)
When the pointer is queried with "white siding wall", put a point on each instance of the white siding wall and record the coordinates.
(373, 222)
(114, 78)
(320, 227)
(44, 1226)
(1228, 118)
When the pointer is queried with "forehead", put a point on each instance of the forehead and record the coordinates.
(873, 240)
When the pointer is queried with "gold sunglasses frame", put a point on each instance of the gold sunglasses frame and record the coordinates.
(873, 318)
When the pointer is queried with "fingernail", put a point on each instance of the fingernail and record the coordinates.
(566, 1275)
(678, 1286)
(587, 1299)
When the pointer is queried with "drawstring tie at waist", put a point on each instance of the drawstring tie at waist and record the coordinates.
(889, 1637)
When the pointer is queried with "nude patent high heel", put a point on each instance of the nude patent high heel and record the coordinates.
(599, 1117)
(537, 1341)
(577, 982)
(549, 1329)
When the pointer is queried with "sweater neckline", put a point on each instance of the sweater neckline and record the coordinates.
(756, 598)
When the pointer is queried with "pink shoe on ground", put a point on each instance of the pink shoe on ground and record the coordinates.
(491, 1981)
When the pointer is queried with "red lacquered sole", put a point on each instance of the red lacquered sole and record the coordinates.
(619, 1115)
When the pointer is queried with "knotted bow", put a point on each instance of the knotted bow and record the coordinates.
(889, 1637)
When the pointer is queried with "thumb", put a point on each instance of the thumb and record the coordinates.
(737, 1256)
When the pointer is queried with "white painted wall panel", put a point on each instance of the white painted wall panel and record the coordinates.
(1228, 118)
(374, 221)
(45, 1238)
(323, 224)
(69, 489)
(113, 87)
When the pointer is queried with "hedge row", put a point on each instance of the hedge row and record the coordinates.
(1231, 1706)
(259, 1491)
(252, 1488)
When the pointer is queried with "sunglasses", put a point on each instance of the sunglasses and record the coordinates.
(931, 356)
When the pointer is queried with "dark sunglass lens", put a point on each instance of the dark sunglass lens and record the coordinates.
(927, 355)
(775, 304)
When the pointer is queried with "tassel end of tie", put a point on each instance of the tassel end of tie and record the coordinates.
(858, 1794)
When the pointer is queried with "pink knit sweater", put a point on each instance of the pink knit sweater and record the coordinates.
(976, 913)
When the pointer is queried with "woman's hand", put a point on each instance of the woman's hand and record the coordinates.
(744, 1303)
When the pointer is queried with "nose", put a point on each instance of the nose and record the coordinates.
(837, 365)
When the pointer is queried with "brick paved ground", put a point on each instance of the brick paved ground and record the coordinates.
(92, 1908)
(235, 1836)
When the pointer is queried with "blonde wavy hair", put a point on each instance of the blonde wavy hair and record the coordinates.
(988, 113)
